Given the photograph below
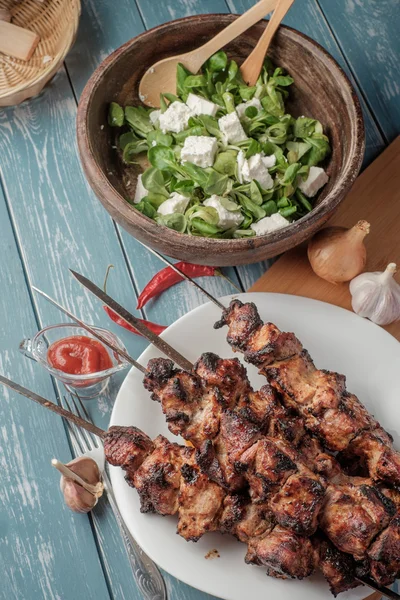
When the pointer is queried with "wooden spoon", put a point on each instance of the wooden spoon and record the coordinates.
(251, 68)
(161, 77)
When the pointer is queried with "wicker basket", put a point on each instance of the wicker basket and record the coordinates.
(56, 21)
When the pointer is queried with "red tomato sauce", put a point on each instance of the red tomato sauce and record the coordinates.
(79, 355)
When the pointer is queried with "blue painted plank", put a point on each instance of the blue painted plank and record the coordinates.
(103, 26)
(368, 33)
(60, 224)
(33, 517)
(156, 13)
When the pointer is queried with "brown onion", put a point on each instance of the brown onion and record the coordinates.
(337, 254)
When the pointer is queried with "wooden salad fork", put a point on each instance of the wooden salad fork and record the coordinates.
(161, 77)
(251, 68)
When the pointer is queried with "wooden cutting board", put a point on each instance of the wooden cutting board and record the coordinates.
(374, 197)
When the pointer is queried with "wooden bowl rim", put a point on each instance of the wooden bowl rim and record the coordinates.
(111, 198)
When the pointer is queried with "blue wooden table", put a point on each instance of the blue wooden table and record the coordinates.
(50, 220)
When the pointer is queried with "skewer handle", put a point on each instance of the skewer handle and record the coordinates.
(53, 407)
(154, 339)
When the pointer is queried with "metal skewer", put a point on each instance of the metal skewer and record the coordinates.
(51, 406)
(385, 591)
(158, 342)
(92, 331)
(182, 274)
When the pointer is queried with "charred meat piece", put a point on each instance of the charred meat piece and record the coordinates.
(200, 503)
(243, 320)
(297, 504)
(247, 333)
(256, 521)
(127, 447)
(384, 554)
(374, 450)
(265, 410)
(228, 375)
(352, 516)
(266, 468)
(159, 371)
(285, 554)
(190, 410)
(234, 512)
(329, 412)
(317, 459)
(338, 568)
(158, 479)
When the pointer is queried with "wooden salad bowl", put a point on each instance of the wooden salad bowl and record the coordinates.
(321, 90)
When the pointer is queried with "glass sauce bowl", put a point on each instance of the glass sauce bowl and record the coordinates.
(88, 385)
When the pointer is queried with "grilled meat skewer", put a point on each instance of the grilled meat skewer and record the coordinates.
(330, 412)
(128, 446)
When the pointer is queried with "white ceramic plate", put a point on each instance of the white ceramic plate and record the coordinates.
(337, 340)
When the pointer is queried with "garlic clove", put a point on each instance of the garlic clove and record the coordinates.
(376, 296)
(80, 483)
(76, 497)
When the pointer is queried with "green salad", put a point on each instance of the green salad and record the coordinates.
(227, 160)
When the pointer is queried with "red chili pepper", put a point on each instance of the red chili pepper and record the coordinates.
(155, 328)
(167, 277)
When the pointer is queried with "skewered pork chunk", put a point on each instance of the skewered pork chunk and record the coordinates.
(353, 515)
(329, 411)
(285, 555)
(384, 554)
(127, 447)
(338, 568)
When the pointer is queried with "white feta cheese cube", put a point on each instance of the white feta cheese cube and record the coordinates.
(154, 117)
(140, 191)
(199, 150)
(175, 118)
(241, 108)
(240, 163)
(201, 106)
(254, 168)
(232, 129)
(269, 161)
(314, 182)
(176, 203)
(227, 218)
(269, 224)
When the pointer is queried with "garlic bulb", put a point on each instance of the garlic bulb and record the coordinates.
(377, 296)
(337, 254)
(80, 483)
